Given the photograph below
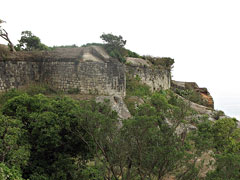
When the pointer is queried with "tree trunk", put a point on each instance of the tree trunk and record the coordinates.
(5, 36)
(11, 46)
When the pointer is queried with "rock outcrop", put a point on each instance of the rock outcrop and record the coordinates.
(117, 104)
(197, 107)
(192, 86)
(206, 96)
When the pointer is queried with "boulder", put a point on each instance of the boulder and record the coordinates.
(117, 104)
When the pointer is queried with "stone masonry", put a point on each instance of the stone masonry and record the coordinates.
(89, 69)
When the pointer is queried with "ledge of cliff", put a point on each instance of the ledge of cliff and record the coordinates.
(191, 91)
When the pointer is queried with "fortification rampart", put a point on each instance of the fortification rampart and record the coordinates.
(87, 77)
(157, 79)
(89, 70)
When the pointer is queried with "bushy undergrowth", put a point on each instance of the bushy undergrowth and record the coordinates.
(136, 88)
(192, 96)
(58, 138)
(130, 53)
(165, 62)
(32, 89)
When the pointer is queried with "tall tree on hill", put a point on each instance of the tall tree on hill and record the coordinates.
(114, 41)
(114, 45)
(30, 42)
(4, 35)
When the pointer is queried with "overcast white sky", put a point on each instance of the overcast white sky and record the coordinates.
(203, 36)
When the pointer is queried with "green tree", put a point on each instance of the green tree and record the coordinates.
(14, 148)
(30, 42)
(145, 146)
(226, 135)
(7, 173)
(114, 45)
(114, 41)
(227, 167)
(61, 138)
(227, 150)
(51, 126)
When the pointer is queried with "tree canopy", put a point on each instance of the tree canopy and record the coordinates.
(56, 137)
(30, 42)
(113, 40)
(114, 45)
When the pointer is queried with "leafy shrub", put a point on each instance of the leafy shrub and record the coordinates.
(115, 54)
(32, 89)
(136, 88)
(114, 46)
(217, 114)
(7, 173)
(92, 173)
(130, 53)
(4, 97)
(160, 61)
(226, 135)
(35, 89)
(226, 138)
(160, 102)
(191, 95)
(228, 165)
(74, 91)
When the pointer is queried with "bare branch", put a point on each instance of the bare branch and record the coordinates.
(4, 35)
(1, 21)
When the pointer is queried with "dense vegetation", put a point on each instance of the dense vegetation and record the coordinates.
(55, 137)
(47, 136)
(114, 45)
(191, 95)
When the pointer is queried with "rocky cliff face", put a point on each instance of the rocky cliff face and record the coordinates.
(205, 96)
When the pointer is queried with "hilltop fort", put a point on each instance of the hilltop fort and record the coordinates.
(88, 69)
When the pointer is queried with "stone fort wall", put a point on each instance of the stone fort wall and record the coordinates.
(157, 79)
(89, 70)
(88, 76)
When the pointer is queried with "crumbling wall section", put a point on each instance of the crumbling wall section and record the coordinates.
(157, 79)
